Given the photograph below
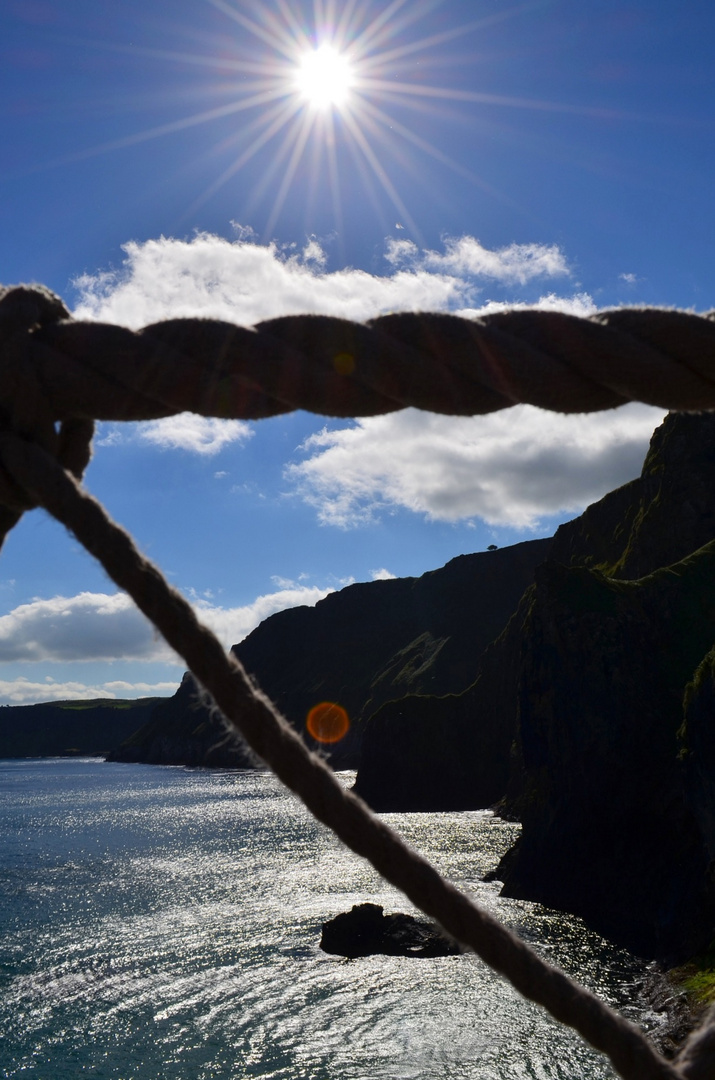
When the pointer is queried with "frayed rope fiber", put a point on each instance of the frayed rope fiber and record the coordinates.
(58, 375)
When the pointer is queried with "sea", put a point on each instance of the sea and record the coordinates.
(164, 924)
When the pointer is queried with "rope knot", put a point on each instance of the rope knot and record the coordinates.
(25, 410)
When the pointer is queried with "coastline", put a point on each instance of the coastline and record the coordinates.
(679, 1011)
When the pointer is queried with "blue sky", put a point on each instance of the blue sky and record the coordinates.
(167, 158)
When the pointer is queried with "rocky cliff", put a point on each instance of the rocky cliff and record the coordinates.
(613, 827)
(62, 728)
(358, 647)
(183, 730)
(656, 519)
(577, 716)
(614, 759)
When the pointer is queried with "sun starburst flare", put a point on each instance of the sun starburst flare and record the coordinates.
(323, 93)
(324, 77)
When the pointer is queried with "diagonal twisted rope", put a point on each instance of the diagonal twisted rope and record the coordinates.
(57, 376)
(272, 738)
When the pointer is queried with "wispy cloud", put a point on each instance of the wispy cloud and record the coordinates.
(580, 304)
(198, 434)
(510, 468)
(203, 435)
(465, 257)
(244, 282)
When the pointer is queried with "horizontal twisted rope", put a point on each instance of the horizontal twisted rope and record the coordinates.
(71, 369)
(54, 370)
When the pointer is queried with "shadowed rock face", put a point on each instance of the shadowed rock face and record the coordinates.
(610, 828)
(447, 753)
(576, 720)
(358, 647)
(64, 728)
(182, 730)
(614, 760)
(657, 519)
(432, 753)
(365, 931)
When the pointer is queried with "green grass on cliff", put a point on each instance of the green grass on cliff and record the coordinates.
(697, 977)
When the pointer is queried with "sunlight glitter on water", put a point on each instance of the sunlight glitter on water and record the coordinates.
(165, 923)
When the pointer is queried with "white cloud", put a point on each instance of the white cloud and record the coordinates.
(108, 627)
(313, 252)
(244, 282)
(630, 279)
(464, 256)
(580, 304)
(383, 575)
(509, 468)
(198, 434)
(122, 688)
(89, 626)
(512, 468)
(231, 625)
(282, 582)
(204, 435)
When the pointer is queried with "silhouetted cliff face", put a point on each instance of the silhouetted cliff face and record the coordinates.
(697, 749)
(447, 753)
(181, 730)
(609, 827)
(56, 729)
(374, 642)
(657, 519)
(577, 713)
(358, 647)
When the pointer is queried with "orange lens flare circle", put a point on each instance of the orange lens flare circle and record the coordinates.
(328, 722)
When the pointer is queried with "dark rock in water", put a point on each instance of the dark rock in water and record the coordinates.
(358, 647)
(676, 1011)
(365, 930)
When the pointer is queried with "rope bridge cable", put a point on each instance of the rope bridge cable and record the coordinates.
(57, 375)
(71, 369)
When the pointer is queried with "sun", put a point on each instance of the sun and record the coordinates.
(320, 90)
(324, 77)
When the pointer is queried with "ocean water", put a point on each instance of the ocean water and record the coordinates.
(165, 923)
